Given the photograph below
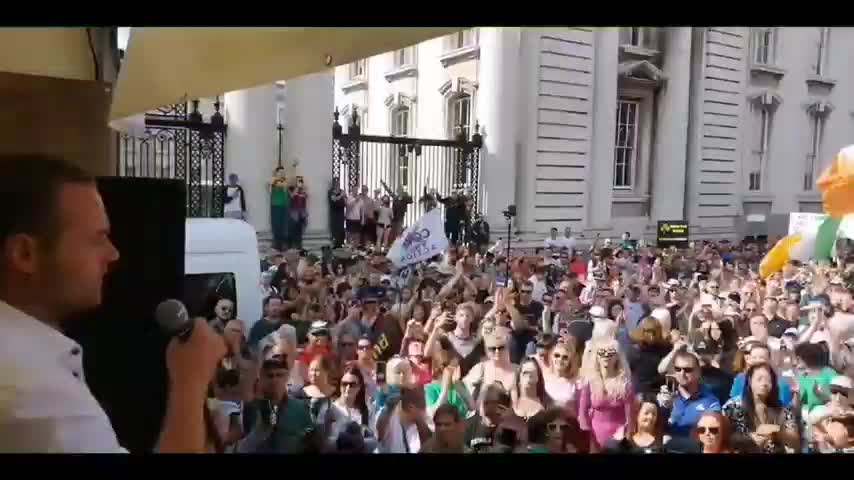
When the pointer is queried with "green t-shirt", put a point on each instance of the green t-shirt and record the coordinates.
(279, 197)
(809, 399)
(431, 394)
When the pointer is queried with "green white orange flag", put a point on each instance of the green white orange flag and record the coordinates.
(836, 184)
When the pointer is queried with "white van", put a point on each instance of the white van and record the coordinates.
(221, 261)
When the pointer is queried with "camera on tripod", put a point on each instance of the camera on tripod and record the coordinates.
(510, 212)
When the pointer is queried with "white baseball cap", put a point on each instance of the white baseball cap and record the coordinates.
(597, 312)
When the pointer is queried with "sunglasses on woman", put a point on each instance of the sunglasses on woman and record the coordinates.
(496, 348)
(606, 352)
(709, 430)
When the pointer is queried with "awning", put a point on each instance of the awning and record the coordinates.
(48, 52)
(168, 65)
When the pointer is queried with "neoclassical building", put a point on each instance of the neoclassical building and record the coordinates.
(609, 130)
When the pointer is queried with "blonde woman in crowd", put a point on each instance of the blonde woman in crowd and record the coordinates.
(606, 396)
(496, 368)
(562, 377)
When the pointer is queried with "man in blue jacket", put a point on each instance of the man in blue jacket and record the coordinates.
(693, 399)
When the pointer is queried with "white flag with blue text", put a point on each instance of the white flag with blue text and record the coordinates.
(421, 241)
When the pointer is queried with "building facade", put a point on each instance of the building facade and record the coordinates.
(609, 130)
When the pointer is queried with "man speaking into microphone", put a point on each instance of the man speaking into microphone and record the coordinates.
(55, 249)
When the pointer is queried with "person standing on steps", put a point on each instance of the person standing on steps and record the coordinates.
(235, 200)
(280, 200)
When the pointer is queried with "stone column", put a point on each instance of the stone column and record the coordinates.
(250, 147)
(671, 142)
(497, 110)
(309, 104)
(601, 185)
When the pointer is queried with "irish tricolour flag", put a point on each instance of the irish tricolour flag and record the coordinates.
(817, 240)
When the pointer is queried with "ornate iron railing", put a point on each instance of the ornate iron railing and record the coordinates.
(180, 145)
(415, 164)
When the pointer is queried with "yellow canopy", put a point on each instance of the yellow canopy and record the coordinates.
(48, 52)
(166, 65)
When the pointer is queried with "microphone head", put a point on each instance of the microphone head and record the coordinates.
(172, 317)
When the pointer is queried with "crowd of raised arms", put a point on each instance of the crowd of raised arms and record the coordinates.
(619, 348)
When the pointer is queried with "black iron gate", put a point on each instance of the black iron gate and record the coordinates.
(180, 144)
(415, 164)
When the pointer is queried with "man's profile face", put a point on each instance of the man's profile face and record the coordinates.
(83, 251)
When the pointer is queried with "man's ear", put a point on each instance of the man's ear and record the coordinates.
(22, 253)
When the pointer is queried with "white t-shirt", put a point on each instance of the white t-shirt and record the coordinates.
(234, 204)
(384, 215)
(540, 288)
(561, 390)
(354, 209)
(561, 242)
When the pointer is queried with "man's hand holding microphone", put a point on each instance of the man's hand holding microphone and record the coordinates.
(192, 357)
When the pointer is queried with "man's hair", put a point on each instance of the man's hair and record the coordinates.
(266, 300)
(811, 353)
(683, 354)
(30, 185)
(538, 424)
(449, 410)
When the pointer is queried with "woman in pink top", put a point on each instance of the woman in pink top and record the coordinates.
(605, 398)
(562, 376)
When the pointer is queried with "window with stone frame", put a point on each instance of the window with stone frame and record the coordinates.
(761, 139)
(816, 132)
(404, 57)
(626, 143)
(459, 116)
(400, 121)
(640, 37)
(764, 44)
(461, 39)
(822, 52)
(358, 70)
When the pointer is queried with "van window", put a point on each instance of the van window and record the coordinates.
(203, 290)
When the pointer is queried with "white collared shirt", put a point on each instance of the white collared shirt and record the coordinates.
(45, 404)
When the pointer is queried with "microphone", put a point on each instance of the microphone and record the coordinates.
(172, 317)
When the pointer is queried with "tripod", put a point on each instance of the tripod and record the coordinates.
(507, 262)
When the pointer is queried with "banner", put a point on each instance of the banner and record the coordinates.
(800, 222)
(672, 233)
(420, 242)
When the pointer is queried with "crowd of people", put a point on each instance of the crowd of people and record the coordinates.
(372, 222)
(619, 348)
